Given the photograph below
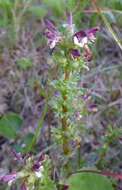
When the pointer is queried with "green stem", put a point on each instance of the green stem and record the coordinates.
(37, 132)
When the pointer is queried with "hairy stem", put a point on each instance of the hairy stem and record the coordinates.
(66, 148)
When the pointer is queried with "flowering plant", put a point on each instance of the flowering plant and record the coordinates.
(81, 38)
(71, 53)
(32, 174)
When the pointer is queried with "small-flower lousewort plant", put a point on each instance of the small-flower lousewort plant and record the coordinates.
(71, 52)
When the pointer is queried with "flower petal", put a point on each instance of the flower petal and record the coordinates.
(80, 38)
(81, 34)
(91, 33)
(85, 36)
(9, 178)
(75, 53)
(52, 34)
(50, 25)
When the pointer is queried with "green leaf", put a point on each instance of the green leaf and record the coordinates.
(23, 145)
(89, 180)
(71, 4)
(38, 11)
(58, 7)
(48, 184)
(10, 125)
(27, 141)
(6, 3)
(24, 63)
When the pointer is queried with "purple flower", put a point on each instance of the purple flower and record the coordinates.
(38, 167)
(84, 37)
(75, 53)
(52, 34)
(9, 178)
(80, 38)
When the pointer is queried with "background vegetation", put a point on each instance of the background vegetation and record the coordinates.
(27, 121)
